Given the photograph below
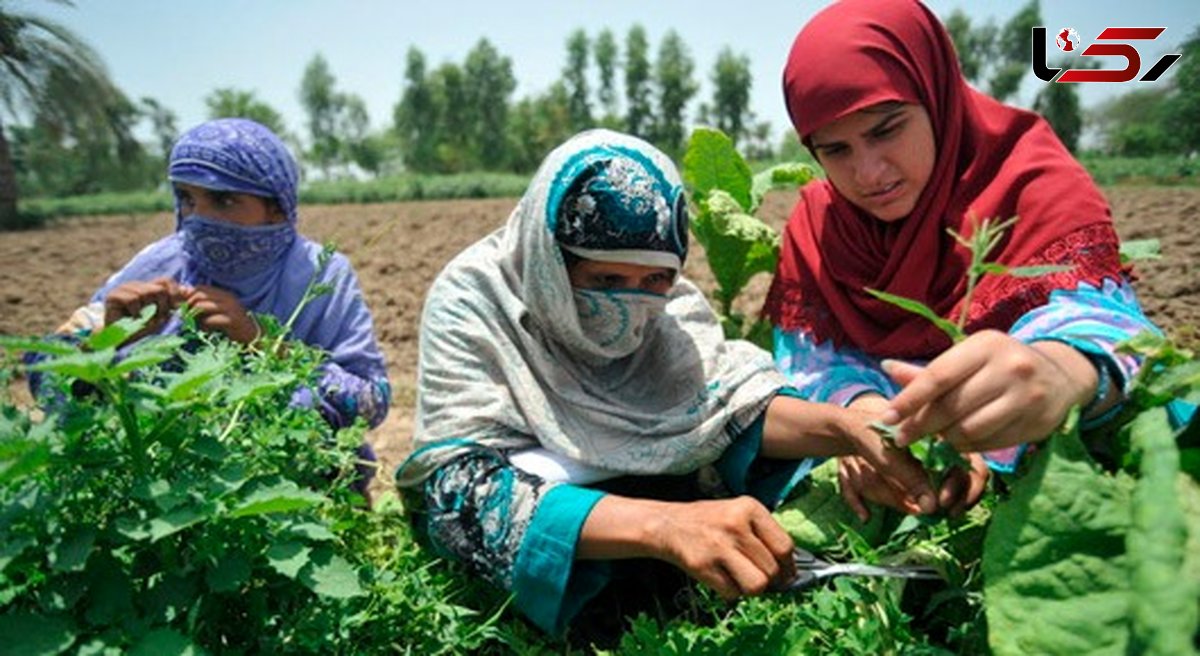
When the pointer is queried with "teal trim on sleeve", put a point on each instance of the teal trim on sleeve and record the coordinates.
(769, 480)
(549, 585)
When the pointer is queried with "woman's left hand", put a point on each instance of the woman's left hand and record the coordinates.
(218, 310)
(990, 391)
(963, 486)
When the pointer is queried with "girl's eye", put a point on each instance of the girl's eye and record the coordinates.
(834, 150)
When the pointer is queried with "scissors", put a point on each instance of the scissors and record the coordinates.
(810, 570)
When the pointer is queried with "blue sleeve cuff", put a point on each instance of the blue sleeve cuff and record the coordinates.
(769, 480)
(549, 585)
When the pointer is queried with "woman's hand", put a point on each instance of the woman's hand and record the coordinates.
(129, 299)
(218, 310)
(733, 546)
(880, 473)
(989, 392)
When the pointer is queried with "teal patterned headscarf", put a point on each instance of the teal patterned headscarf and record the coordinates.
(613, 204)
(506, 361)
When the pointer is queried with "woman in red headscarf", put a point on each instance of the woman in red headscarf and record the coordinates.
(910, 152)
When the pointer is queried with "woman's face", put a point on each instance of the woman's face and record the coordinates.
(880, 158)
(618, 276)
(242, 209)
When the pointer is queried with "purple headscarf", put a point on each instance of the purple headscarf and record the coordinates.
(241, 156)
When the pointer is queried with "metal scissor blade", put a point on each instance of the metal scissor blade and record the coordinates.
(811, 569)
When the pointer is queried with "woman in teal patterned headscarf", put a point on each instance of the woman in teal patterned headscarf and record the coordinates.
(563, 357)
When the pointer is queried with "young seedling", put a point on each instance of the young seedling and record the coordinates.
(935, 454)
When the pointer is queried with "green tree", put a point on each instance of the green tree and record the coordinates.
(163, 123)
(605, 50)
(337, 122)
(673, 75)
(575, 79)
(538, 124)
(1059, 104)
(991, 57)
(448, 87)
(639, 115)
(489, 87)
(415, 116)
(1184, 108)
(1013, 51)
(57, 81)
(1136, 123)
(318, 96)
(730, 109)
(228, 102)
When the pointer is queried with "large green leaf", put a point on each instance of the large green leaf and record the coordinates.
(1163, 606)
(257, 385)
(71, 552)
(711, 162)
(289, 557)
(1056, 579)
(21, 457)
(147, 353)
(281, 497)
(36, 345)
(89, 367)
(26, 634)
(116, 333)
(165, 642)
(737, 245)
(231, 570)
(817, 517)
(330, 575)
(788, 175)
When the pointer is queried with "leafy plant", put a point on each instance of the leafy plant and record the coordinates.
(725, 196)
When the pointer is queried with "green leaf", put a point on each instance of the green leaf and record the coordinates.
(165, 642)
(1035, 271)
(115, 334)
(36, 345)
(1136, 250)
(256, 386)
(71, 552)
(330, 575)
(1163, 607)
(281, 497)
(737, 245)
(32, 635)
(288, 558)
(711, 162)
(231, 570)
(12, 548)
(311, 531)
(201, 369)
(788, 175)
(817, 517)
(1056, 579)
(89, 367)
(176, 521)
(147, 353)
(993, 268)
(110, 593)
(21, 457)
(917, 307)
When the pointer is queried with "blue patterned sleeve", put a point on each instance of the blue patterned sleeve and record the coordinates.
(1094, 321)
(341, 397)
(518, 531)
(823, 373)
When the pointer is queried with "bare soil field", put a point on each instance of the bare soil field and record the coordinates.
(398, 248)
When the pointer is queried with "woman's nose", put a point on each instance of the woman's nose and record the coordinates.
(870, 168)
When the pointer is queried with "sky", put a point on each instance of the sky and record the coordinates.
(178, 51)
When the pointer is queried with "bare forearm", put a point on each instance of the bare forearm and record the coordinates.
(621, 527)
(799, 429)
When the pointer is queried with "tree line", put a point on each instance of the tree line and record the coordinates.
(68, 130)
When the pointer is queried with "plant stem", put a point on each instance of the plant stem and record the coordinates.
(129, 422)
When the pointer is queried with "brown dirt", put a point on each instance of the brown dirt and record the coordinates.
(397, 249)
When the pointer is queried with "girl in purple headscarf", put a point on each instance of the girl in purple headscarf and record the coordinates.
(235, 251)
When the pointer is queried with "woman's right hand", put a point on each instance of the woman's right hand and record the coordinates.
(733, 546)
(129, 299)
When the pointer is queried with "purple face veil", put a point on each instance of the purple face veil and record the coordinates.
(242, 156)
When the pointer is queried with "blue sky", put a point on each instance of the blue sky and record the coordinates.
(178, 52)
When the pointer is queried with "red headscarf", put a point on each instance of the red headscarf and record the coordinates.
(992, 161)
